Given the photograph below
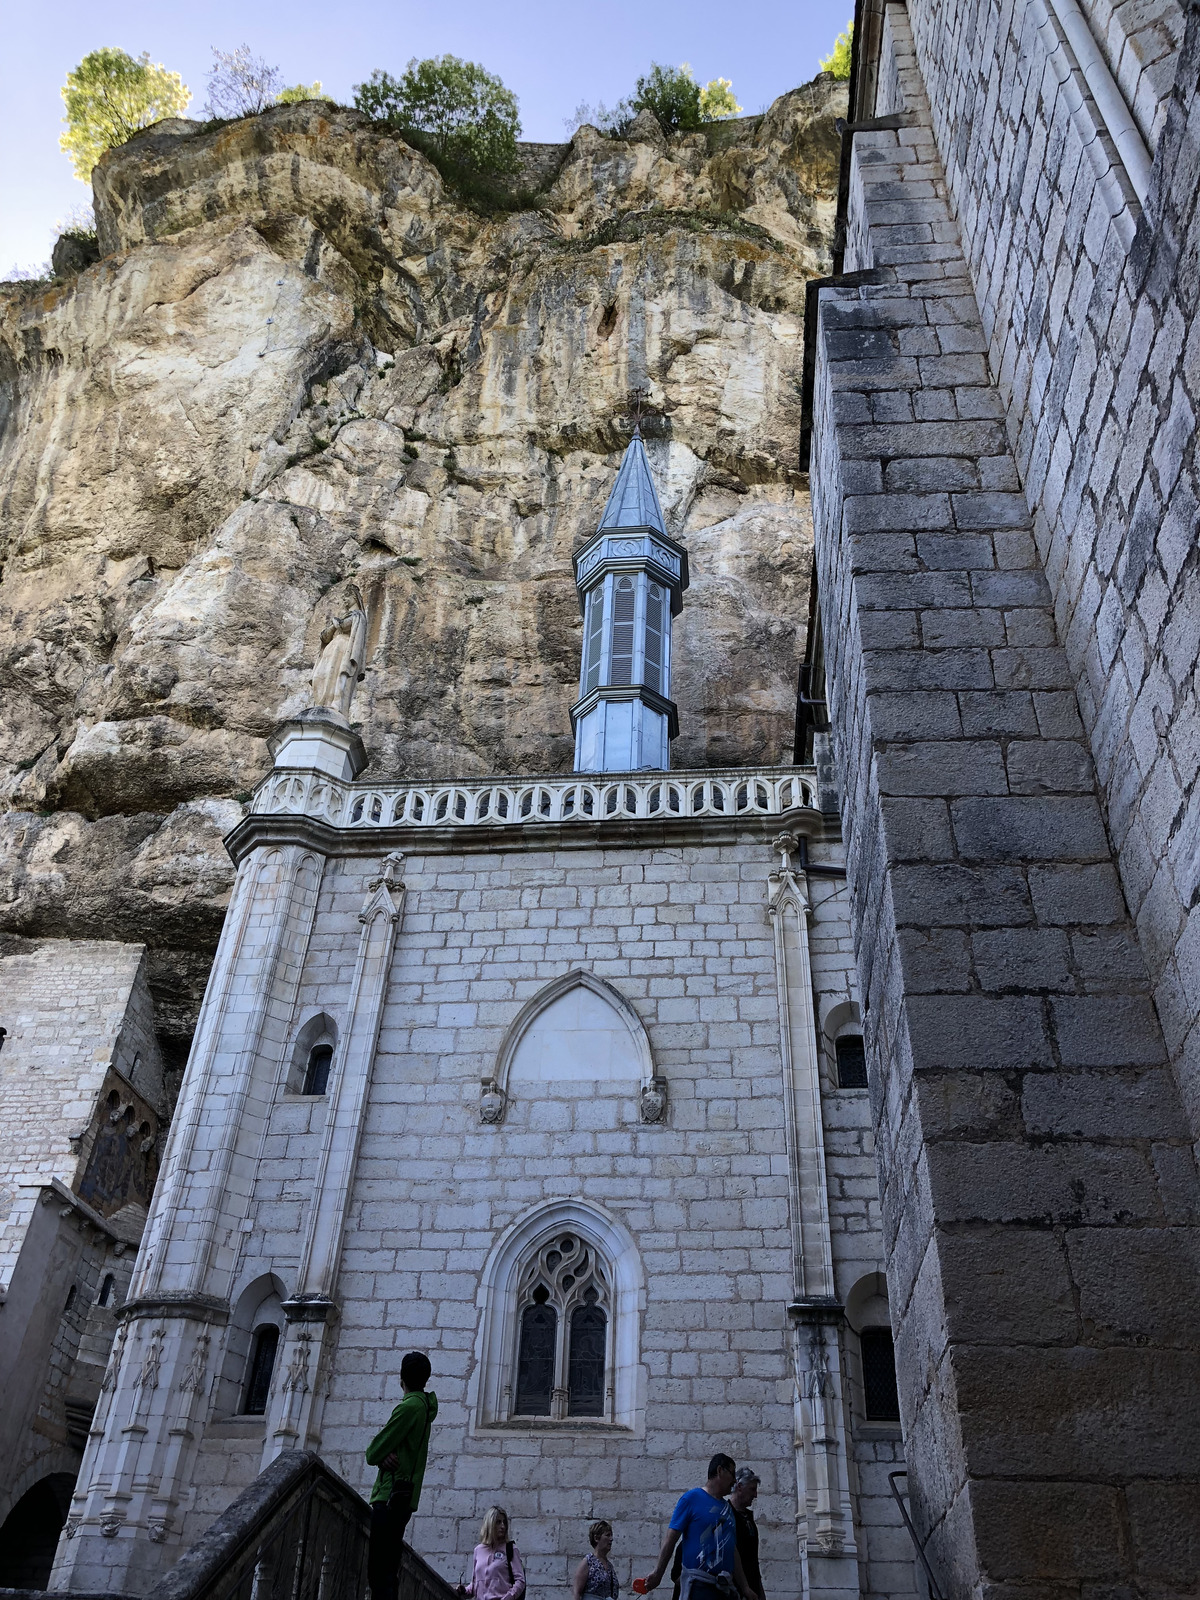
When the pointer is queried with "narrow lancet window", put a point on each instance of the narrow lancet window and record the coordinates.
(882, 1403)
(535, 1360)
(316, 1073)
(262, 1364)
(586, 1362)
(851, 1061)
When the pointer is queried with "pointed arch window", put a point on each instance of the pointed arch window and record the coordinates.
(563, 1314)
(313, 1052)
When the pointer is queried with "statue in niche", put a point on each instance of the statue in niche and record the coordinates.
(339, 666)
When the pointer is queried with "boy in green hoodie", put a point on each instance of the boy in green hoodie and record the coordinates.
(399, 1450)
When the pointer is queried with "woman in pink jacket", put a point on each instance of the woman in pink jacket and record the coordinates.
(498, 1572)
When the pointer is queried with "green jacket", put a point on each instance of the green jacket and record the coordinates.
(406, 1432)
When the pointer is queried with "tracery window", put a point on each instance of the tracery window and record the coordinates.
(564, 1302)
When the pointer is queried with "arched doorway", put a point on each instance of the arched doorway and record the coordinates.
(30, 1533)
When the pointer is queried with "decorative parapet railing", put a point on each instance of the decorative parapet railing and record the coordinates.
(492, 802)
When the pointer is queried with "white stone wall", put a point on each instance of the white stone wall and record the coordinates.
(73, 1008)
(684, 936)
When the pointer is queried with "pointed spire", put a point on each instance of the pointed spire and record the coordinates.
(633, 502)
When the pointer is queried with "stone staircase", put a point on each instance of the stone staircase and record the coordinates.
(299, 1532)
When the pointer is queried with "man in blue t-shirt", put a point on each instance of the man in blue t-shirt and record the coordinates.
(703, 1519)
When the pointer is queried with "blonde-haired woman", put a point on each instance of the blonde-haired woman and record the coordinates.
(595, 1574)
(498, 1573)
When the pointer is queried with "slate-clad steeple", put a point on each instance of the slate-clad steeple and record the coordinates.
(633, 500)
(631, 579)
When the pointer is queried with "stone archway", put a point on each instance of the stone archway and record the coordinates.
(30, 1533)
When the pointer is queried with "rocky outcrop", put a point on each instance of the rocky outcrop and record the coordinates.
(302, 361)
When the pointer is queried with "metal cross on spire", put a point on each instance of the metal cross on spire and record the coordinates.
(636, 404)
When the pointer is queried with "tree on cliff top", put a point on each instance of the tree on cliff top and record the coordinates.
(242, 85)
(109, 97)
(838, 59)
(679, 102)
(460, 113)
(718, 101)
(672, 95)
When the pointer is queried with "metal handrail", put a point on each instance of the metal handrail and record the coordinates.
(918, 1544)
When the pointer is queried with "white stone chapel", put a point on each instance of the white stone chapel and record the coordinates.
(560, 1080)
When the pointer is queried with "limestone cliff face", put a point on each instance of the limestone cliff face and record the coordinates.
(301, 361)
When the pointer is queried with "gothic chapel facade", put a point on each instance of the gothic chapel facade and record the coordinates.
(560, 1080)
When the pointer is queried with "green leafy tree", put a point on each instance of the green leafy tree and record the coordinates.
(676, 99)
(109, 97)
(459, 112)
(838, 59)
(673, 95)
(299, 92)
(717, 100)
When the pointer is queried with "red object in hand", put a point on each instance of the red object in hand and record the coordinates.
(639, 1586)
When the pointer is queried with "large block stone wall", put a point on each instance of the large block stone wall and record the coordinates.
(1039, 1189)
(72, 1009)
(78, 1019)
(1091, 329)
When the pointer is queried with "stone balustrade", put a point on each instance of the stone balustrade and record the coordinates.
(747, 791)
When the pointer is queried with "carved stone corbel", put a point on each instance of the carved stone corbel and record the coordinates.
(493, 1102)
(652, 1103)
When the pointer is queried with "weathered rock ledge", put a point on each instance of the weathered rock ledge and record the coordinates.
(301, 360)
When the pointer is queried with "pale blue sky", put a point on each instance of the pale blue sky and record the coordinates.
(551, 54)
